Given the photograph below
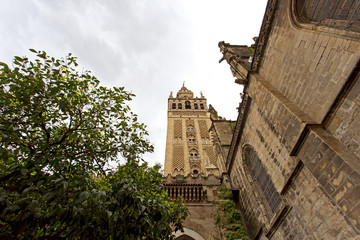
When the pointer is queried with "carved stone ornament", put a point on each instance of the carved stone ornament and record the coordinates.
(264, 34)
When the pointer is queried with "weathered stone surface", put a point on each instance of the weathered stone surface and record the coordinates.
(302, 122)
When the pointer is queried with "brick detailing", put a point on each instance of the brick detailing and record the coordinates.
(204, 131)
(177, 129)
(178, 157)
(209, 150)
(190, 122)
(188, 113)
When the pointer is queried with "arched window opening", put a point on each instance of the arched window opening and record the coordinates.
(190, 128)
(187, 105)
(192, 140)
(174, 106)
(193, 154)
(201, 106)
(196, 106)
(261, 177)
(179, 106)
(332, 13)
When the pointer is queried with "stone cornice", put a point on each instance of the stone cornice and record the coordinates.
(264, 34)
(244, 107)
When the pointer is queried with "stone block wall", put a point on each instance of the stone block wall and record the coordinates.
(303, 125)
(315, 62)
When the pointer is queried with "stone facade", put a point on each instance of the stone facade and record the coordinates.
(294, 157)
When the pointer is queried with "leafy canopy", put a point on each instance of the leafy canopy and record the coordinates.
(59, 129)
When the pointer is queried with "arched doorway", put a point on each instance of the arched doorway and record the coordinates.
(188, 234)
(184, 237)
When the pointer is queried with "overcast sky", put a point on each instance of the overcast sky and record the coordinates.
(149, 46)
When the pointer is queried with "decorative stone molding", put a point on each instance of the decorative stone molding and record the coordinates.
(264, 34)
(243, 109)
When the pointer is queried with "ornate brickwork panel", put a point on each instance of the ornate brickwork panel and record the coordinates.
(188, 113)
(178, 157)
(177, 129)
(211, 155)
(189, 122)
(204, 131)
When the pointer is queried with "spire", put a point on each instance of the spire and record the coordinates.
(184, 92)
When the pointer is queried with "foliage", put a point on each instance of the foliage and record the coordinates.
(59, 129)
(232, 125)
(228, 217)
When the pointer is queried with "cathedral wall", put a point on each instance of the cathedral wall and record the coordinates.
(321, 199)
(307, 52)
(303, 126)
(345, 124)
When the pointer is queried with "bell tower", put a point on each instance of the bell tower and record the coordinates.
(191, 168)
(189, 148)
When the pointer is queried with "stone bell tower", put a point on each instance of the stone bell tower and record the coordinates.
(189, 148)
(191, 166)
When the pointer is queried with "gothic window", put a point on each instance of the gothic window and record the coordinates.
(187, 105)
(192, 140)
(333, 13)
(195, 105)
(180, 106)
(262, 179)
(201, 106)
(193, 154)
(174, 106)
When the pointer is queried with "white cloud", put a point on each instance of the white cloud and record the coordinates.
(150, 47)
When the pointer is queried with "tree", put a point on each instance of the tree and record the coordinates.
(59, 129)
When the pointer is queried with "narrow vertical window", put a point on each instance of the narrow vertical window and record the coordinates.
(201, 106)
(179, 106)
(195, 105)
(174, 106)
(187, 105)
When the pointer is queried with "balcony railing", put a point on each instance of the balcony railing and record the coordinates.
(192, 142)
(190, 193)
(194, 158)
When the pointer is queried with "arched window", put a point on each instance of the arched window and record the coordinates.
(333, 13)
(201, 106)
(179, 106)
(193, 154)
(196, 106)
(190, 128)
(191, 139)
(187, 105)
(174, 106)
(260, 176)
